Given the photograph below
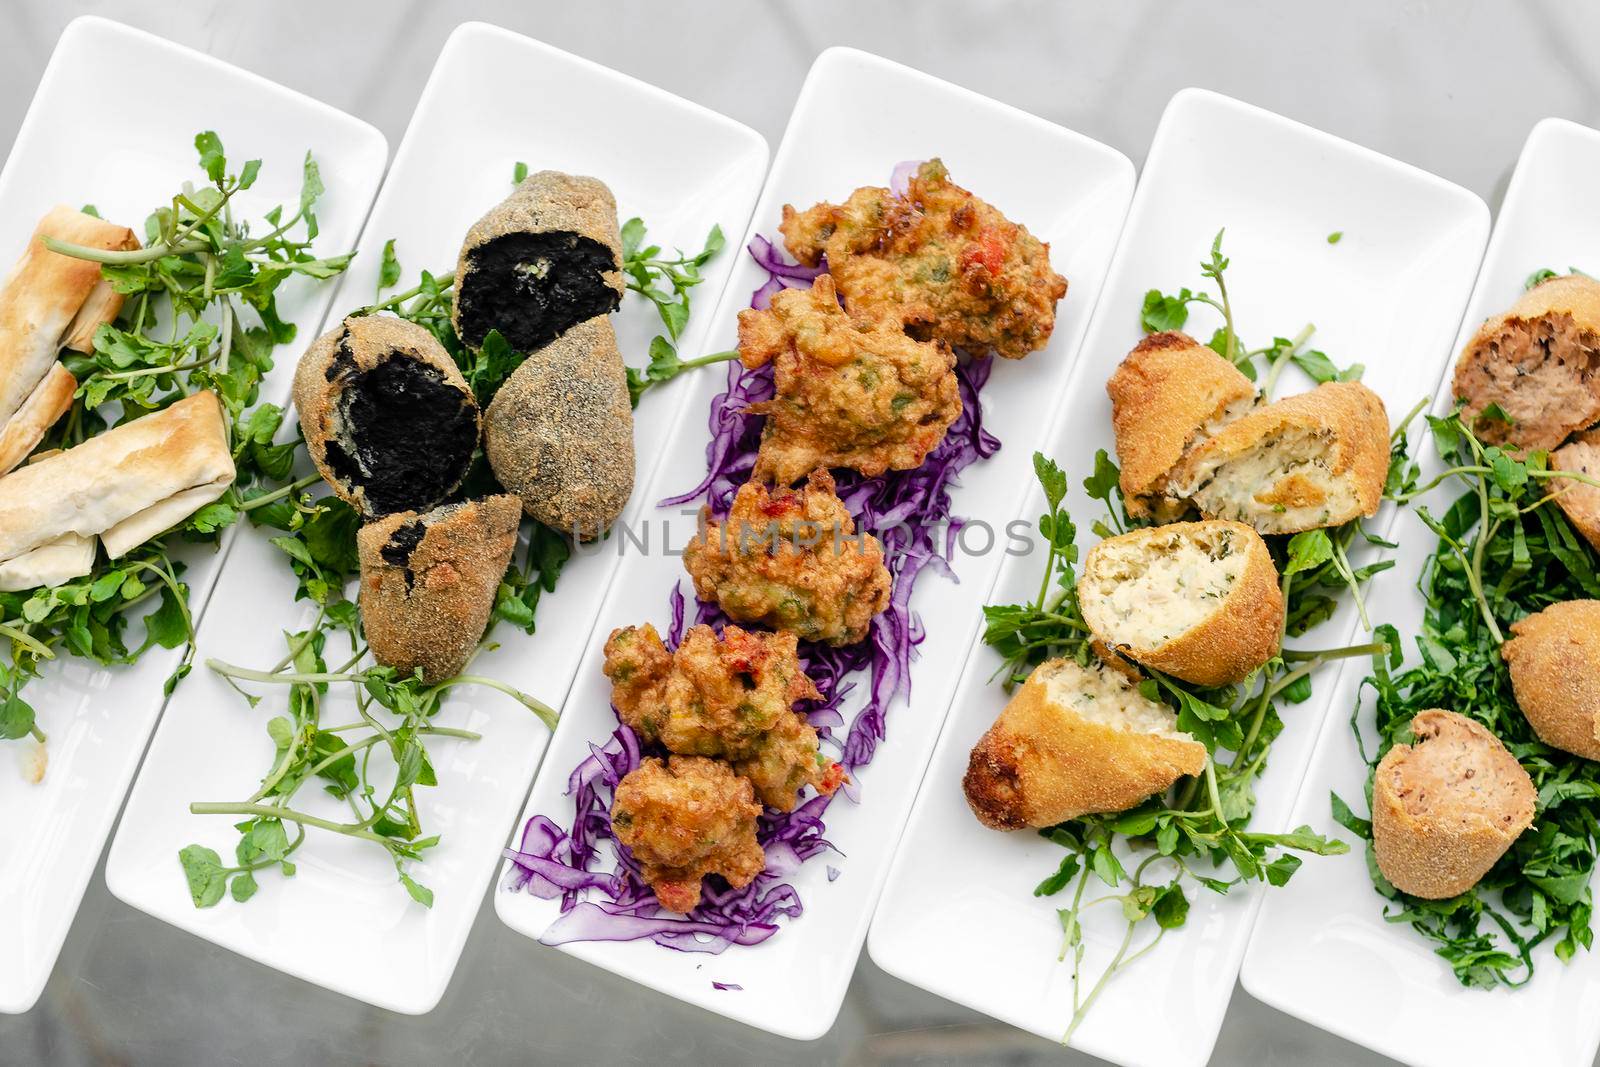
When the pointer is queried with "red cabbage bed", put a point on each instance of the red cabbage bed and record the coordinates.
(909, 511)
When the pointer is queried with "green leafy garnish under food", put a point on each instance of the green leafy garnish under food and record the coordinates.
(1199, 831)
(200, 312)
(1505, 551)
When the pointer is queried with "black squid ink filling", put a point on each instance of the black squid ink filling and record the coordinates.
(533, 287)
(413, 432)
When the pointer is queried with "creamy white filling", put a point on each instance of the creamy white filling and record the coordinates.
(1099, 695)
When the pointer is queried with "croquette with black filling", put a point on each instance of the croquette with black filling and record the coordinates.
(388, 418)
(559, 433)
(428, 582)
(544, 259)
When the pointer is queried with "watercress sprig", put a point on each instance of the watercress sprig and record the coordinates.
(1504, 551)
(200, 312)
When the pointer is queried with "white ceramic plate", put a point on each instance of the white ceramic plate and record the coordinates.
(1388, 295)
(106, 127)
(494, 98)
(1069, 191)
(1321, 950)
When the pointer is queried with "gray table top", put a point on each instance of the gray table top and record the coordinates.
(1453, 88)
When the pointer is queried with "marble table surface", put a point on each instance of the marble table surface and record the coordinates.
(1450, 86)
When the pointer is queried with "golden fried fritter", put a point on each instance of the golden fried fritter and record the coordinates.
(786, 761)
(685, 819)
(731, 699)
(938, 261)
(848, 395)
(790, 559)
(709, 698)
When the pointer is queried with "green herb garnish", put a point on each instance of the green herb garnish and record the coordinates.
(200, 313)
(1198, 831)
(1505, 551)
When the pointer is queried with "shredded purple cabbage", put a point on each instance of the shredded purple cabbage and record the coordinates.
(903, 509)
(900, 177)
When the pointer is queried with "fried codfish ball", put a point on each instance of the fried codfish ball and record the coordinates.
(938, 261)
(790, 559)
(730, 698)
(684, 819)
(848, 395)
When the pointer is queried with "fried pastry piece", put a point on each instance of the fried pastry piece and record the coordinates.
(1580, 500)
(1198, 600)
(790, 559)
(1538, 365)
(938, 261)
(1446, 807)
(1308, 461)
(684, 819)
(730, 698)
(428, 582)
(1168, 396)
(1554, 658)
(544, 259)
(388, 418)
(1073, 741)
(864, 397)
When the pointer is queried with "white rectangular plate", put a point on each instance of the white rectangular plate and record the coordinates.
(1069, 191)
(1388, 295)
(106, 127)
(494, 98)
(1321, 950)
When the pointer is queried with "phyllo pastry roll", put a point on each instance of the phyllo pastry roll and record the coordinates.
(47, 302)
(126, 485)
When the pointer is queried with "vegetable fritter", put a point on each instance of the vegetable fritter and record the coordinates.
(791, 559)
(731, 699)
(685, 819)
(938, 261)
(848, 395)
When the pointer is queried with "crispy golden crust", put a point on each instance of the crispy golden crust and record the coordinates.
(50, 400)
(125, 485)
(1580, 501)
(1042, 763)
(1239, 635)
(1164, 396)
(359, 344)
(1539, 362)
(1347, 424)
(425, 602)
(685, 819)
(559, 433)
(791, 559)
(938, 261)
(1441, 820)
(1554, 657)
(43, 295)
(866, 397)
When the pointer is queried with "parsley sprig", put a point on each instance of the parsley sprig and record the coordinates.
(1504, 551)
(200, 312)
